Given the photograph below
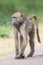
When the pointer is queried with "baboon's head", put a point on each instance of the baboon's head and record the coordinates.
(17, 18)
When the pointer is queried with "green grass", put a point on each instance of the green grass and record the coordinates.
(5, 31)
(5, 25)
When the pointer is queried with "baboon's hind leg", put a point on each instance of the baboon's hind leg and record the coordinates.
(31, 43)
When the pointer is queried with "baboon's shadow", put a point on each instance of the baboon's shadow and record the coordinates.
(35, 57)
(41, 55)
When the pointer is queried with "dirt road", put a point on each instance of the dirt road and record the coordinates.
(37, 58)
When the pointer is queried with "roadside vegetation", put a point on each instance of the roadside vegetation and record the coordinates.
(8, 7)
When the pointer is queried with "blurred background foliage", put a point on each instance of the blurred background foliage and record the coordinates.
(8, 7)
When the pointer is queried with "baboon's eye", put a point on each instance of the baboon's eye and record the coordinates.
(21, 15)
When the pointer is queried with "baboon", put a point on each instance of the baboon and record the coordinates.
(25, 27)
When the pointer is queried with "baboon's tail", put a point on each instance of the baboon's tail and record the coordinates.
(38, 35)
(37, 31)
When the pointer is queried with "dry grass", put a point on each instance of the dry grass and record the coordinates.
(6, 46)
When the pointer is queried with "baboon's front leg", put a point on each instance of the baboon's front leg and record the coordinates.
(16, 41)
(25, 38)
(21, 41)
(23, 32)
